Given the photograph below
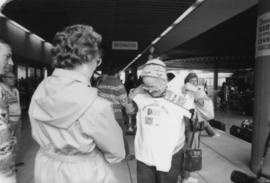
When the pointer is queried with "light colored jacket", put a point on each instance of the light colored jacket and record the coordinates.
(76, 131)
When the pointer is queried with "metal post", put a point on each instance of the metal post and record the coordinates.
(262, 85)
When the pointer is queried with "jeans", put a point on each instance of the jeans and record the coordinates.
(149, 174)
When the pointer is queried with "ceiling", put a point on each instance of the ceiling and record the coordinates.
(227, 45)
(115, 20)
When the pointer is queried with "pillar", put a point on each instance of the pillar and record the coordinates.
(215, 87)
(262, 85)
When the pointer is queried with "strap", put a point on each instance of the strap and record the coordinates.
(264, 155)
(199, 137)
(193, 127)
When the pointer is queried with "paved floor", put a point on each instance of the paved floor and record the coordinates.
(221, 155)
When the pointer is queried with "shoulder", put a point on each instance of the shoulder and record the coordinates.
(101, 104)
(102, 101)
(136, 91)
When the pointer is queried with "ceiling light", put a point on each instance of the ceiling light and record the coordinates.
(19, 26)
(36, 36)
(166, 31)
(156, 40)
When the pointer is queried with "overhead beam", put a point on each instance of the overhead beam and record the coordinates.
(210, 14)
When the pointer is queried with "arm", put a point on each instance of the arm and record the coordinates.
(100, 125)
(121, 94)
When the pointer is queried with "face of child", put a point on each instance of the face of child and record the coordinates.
(154, 86)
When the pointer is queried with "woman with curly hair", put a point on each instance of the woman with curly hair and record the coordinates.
(75, 128)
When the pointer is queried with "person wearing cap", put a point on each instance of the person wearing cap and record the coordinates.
(160, 137)
(201, 102)
(74, 127)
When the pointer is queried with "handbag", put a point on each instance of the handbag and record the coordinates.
(193, 156)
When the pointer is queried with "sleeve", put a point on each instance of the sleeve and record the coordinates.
(206, 111)
(105, 131)
(18, 96)
(121, 94)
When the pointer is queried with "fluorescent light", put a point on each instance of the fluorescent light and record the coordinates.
(156, 40)
(188, 11)
(19, 26)
(36, 36)
(179, 19)
(166, 31)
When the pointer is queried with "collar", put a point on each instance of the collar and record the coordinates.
(73, 75)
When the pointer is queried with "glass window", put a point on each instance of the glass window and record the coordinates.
(38, 73)
(21, 70)
(31, 72)
(45, 72)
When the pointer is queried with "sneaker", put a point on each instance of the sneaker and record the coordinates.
(217, 135)
(190, 180)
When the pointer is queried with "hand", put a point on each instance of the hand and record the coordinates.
(199, 101)
(130, 108)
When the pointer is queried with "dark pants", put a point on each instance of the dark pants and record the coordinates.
(149, 174)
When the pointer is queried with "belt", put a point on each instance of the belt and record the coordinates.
(69, 158)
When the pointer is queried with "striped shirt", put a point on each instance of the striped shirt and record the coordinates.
(12, 98)
(112, 89)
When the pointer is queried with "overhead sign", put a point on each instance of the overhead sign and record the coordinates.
(263, 35)
(125, 45)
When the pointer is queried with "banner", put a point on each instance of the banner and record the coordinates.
(125, 45)
(263, 35)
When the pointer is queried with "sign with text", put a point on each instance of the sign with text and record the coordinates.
(125, 45)
(263, 35)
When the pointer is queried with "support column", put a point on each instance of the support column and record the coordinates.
(3, 28)
(262, 86)
(215, 87)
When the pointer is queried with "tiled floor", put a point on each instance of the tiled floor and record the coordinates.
(221, 155)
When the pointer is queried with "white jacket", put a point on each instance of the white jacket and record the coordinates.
(76, 131)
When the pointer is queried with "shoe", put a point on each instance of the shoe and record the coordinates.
(190, 180)
(217, 135)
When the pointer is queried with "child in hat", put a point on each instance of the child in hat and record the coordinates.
(160, 136)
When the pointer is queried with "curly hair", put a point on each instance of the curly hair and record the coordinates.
(75, 45)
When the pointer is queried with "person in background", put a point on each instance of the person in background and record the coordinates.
(111, 88)
(74, 127)
(199, 98)
(131, 82)
(7, 140)
(170, 76)
(8, 89)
